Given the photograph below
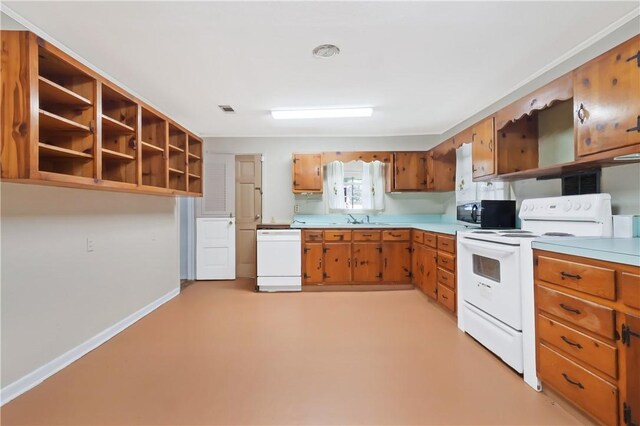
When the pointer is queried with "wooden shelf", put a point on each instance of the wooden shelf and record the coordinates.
(53, 151)
(108, 154)
(194, 157)
(193, 176)
(150, 148)
(50, 121)
(53, 93)
(175, 148)
(114, 126)
(175, 171)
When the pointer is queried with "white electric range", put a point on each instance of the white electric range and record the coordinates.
(495, 274)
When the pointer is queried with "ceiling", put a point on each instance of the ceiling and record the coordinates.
(423, 66)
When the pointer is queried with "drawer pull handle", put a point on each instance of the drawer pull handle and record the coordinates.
(567, 275)
(367, 235)
(395, 235)
(570, 309)
(578, 384)
(569, 342)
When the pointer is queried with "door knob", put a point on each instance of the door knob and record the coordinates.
(257, 217)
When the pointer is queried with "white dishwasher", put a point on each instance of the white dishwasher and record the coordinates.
(279, 260)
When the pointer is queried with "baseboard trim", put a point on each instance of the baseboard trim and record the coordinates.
(40, 374)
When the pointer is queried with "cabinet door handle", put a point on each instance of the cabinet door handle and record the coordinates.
(580, 113)
(636, 57)
(569, 342)
(578, 384)
(349, 262)
(491, 145)
(637, 128)
(568, 275)
(385, 263)
(570, 309)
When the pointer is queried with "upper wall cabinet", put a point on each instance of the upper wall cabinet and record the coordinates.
(65, 125)
(441, 167)
(307, 172)
(607, 100)
(410, 171)
(483, 148)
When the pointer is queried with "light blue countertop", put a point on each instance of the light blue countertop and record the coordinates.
(433, 223)
(618, 250)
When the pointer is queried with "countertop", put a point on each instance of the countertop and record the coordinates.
(432, 223)
(618, 250)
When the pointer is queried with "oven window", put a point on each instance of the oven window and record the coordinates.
(486, 267)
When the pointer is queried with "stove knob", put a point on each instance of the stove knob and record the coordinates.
(576, 206)
(587, 205)
(566, 206)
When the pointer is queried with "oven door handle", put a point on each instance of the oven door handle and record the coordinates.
(495, 250)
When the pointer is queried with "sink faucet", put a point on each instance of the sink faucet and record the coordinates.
(353, 219)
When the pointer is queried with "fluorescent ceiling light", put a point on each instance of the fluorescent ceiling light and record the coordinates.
(628, 157)
(322, 113)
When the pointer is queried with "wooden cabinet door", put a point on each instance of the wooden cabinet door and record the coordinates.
(416, 265)
(367, 262)
(312, 272)
(441, 167)
(410, 171)
(483, 148)
(307, 173)
(630, 332)
(337, 263)
(607, 100)
(430, 274)
(396, 262)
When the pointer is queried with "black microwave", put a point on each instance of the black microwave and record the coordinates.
(488, 214)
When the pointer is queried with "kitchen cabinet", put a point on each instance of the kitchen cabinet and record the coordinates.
(441, 167)
(367, 262)
(607, 100)
(410, 171)
(483, 148)
(417, 268)
(345, 256)
(588, 338)
(396, 261)
(307, 172)
(433, 266)
(78, 129)
(312, 263)
(430, 275)
(337, 263)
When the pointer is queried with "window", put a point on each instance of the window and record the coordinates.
(355, 185)
(353, 193)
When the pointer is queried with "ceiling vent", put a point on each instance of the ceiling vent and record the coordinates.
(326, 51)
(227, 109)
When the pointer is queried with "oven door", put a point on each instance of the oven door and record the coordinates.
(490, 275)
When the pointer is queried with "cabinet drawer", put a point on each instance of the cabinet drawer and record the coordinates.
(447, 278)
(447, 261)
(372, 235)
(589, 279)
(430, 239)
(593, 352)
(312, 235)
(447, 297)
(446, 243)
(417, 236)
(588, 315)
(593, 394)
(396, 235)
(630, 289)
(337, 235)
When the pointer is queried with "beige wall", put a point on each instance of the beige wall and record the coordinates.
(278, 200)
(56, 295)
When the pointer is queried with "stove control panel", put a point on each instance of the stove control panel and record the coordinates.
(583, 208)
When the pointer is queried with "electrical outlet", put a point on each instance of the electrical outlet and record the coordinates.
(91, 244)
(296, 208)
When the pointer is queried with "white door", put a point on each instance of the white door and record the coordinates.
(215, 223)
(215, 249)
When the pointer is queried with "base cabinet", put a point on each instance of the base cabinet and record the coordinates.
(434, 267)
(588, 341)
(363, 256)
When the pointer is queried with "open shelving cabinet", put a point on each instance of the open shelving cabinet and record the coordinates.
(66, 117)
(194, 166)
(78, 129)
(119, 136)
(177, 158)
